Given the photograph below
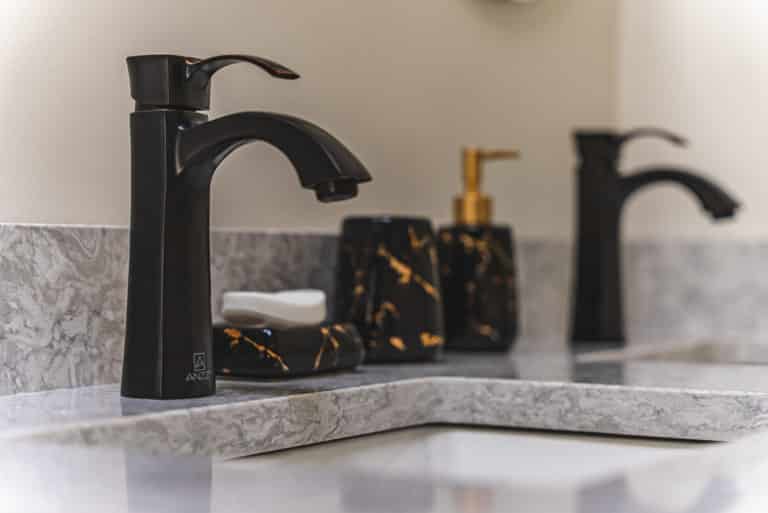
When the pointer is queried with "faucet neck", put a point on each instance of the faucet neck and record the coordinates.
(597, 313)
(168, 345)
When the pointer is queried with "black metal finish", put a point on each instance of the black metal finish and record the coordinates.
(388, 286)
(477, 272)
(597, 314)
(174, 153)
(177, 82)
(287, 352)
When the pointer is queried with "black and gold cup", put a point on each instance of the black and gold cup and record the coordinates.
(388, 286)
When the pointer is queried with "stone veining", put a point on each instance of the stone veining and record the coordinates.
(62, 293)
(540, 393)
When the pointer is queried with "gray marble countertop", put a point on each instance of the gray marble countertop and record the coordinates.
(616, 394)
(175, 455)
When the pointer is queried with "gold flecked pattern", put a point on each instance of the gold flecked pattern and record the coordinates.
(236, 336)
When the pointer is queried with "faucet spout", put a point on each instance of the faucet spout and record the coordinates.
(322, 162)
(713, 199)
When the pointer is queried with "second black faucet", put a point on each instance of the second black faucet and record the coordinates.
(597, 313)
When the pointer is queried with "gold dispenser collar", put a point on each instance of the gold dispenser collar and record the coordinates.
(473, 207)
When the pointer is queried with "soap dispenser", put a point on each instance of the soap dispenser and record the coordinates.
(477, 266)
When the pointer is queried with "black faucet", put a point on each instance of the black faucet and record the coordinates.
(597, 314)
(174, 153)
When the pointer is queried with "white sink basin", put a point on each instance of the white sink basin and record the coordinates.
(421, 470)
(424, 470)
(480, 455)
(451, 469)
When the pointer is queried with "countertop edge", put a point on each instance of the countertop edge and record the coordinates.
(248, 427)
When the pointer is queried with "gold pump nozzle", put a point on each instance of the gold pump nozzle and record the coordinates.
(473, 207)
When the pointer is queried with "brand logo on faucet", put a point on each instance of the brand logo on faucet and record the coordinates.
(200, 370)
(198, 362)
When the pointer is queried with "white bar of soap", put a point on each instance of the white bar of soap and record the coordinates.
(274, 309)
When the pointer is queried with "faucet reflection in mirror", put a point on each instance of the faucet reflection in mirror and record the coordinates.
(174, 153)
(597, 314)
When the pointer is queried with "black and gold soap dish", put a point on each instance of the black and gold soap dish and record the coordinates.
(258, 352)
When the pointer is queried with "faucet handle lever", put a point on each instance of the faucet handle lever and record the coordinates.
(184, 83)
(200, 72)
(671, 137)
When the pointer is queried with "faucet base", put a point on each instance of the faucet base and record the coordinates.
(164, 396)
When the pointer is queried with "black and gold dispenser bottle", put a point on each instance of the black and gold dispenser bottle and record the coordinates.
(477, 266)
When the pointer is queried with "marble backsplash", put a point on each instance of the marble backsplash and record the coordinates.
(62, 293)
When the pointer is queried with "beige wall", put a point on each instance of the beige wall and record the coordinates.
(699, 67)
(405, 83)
